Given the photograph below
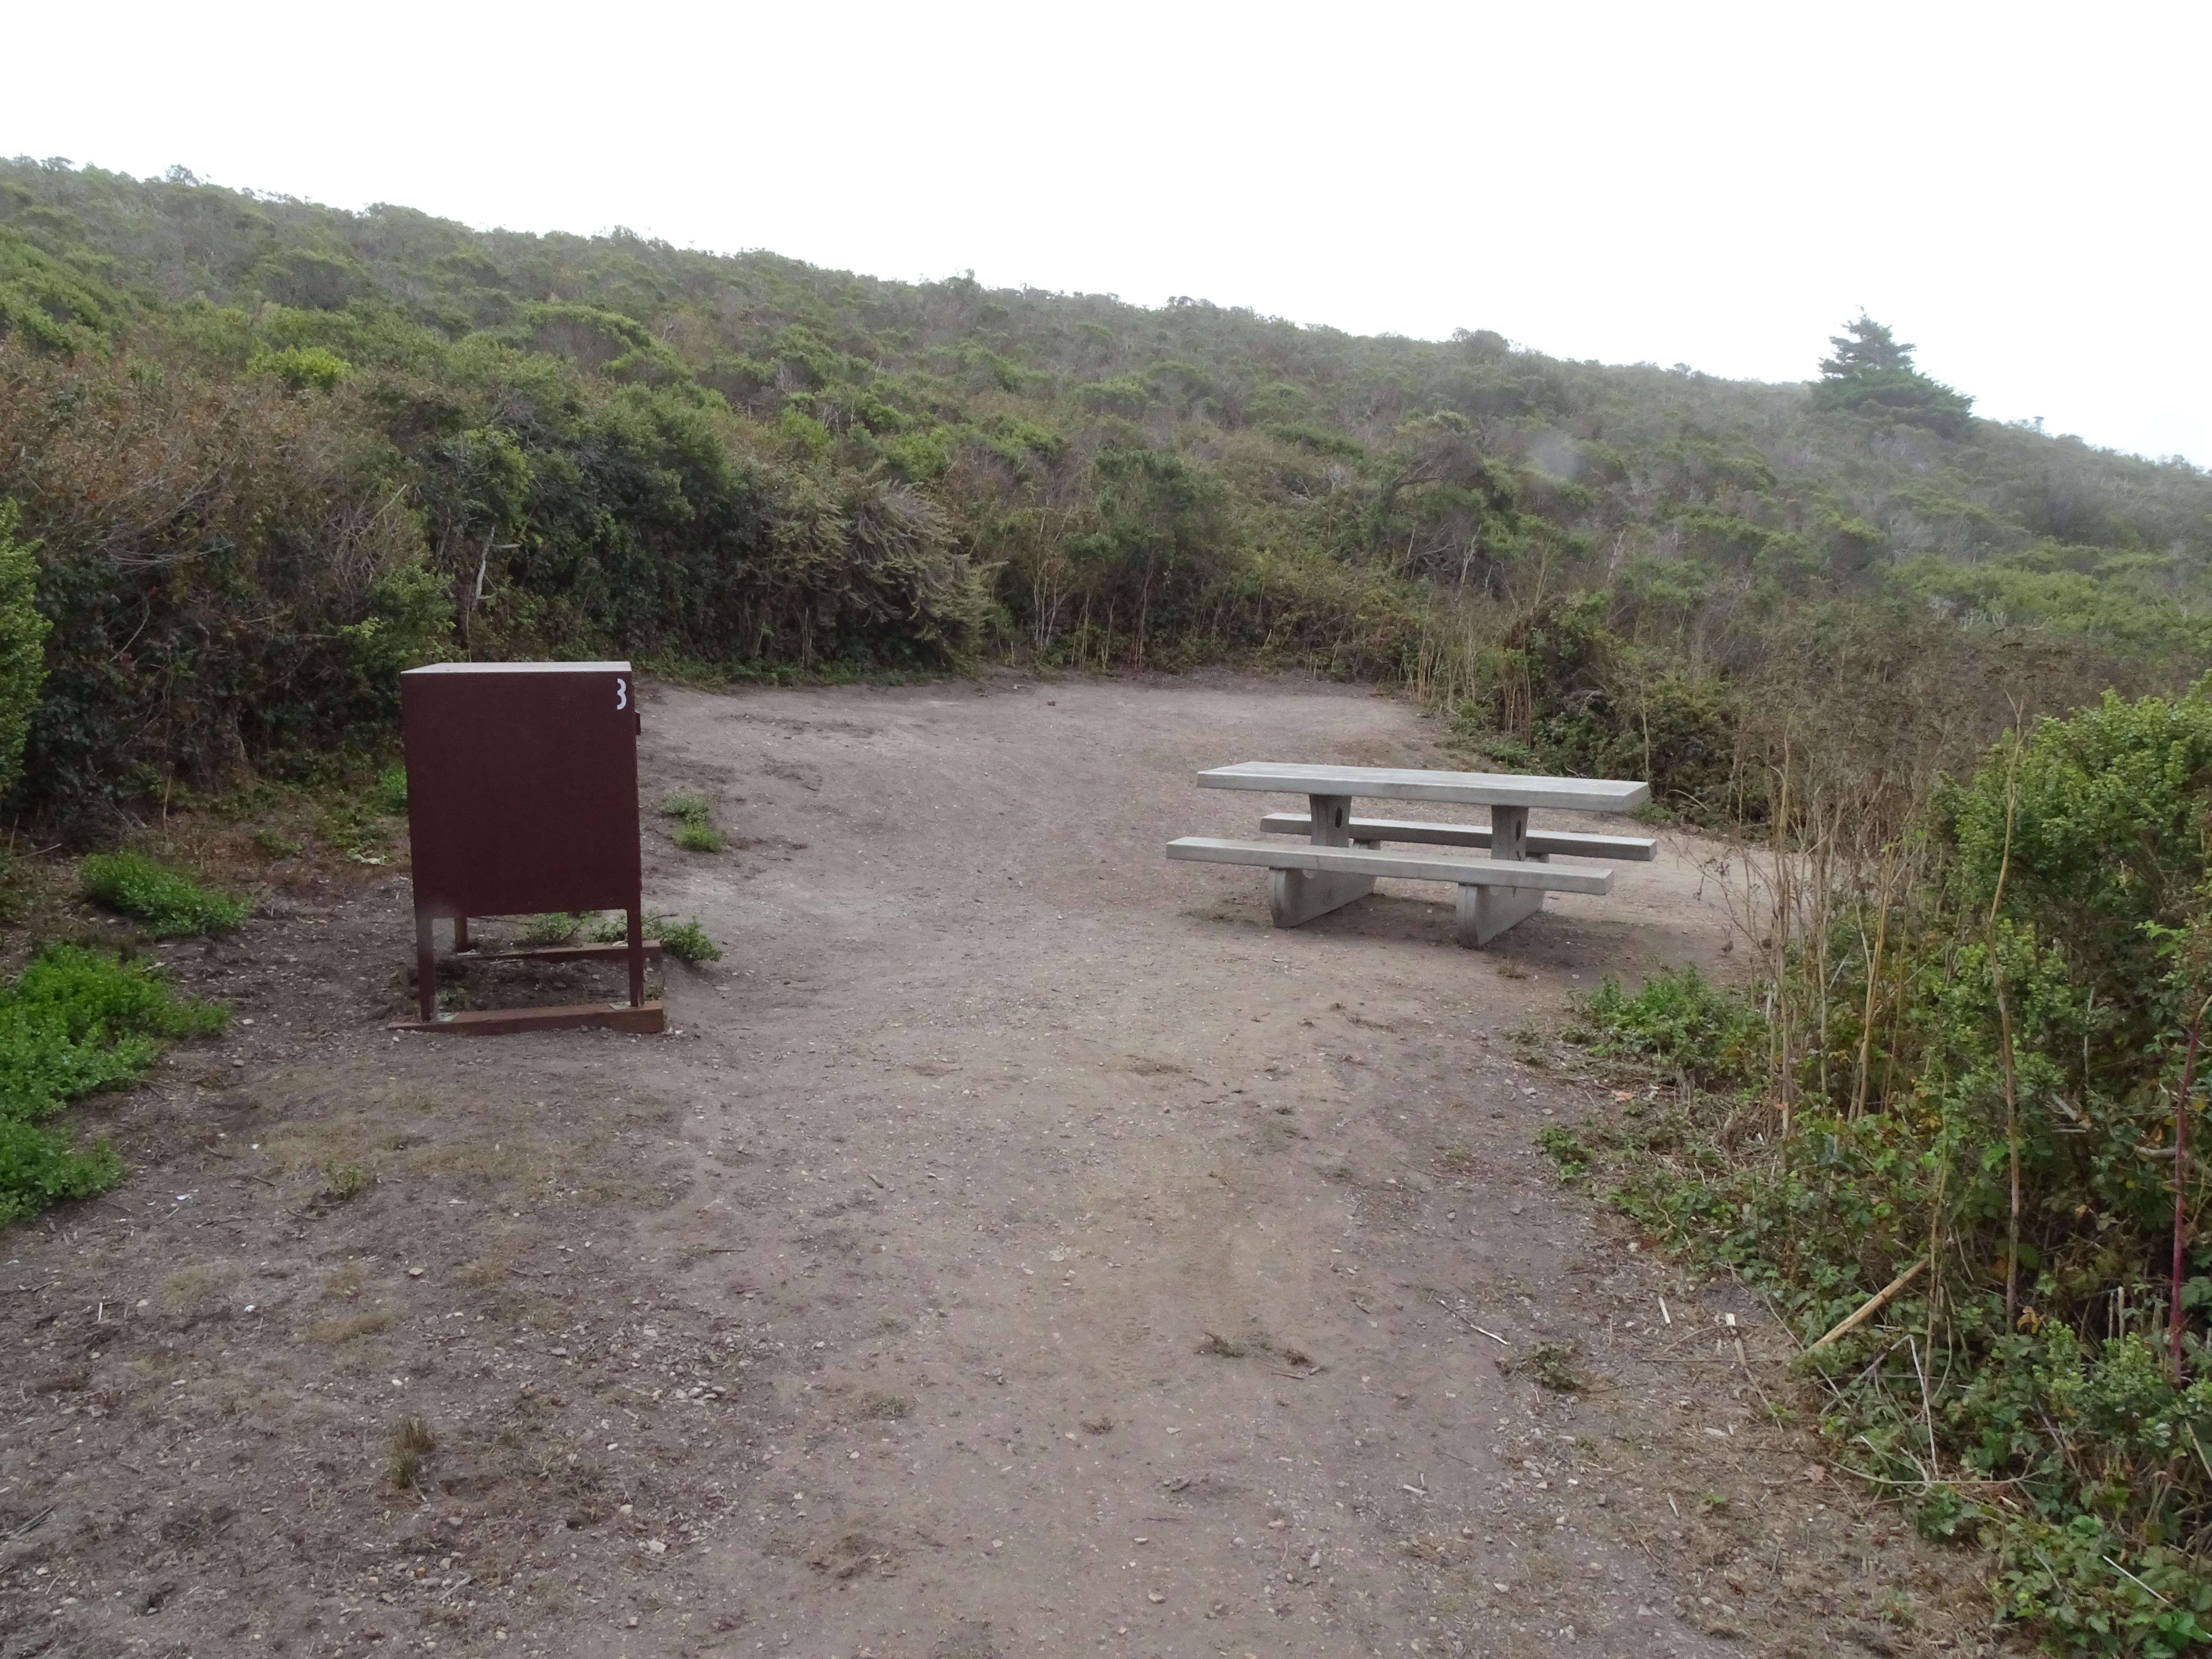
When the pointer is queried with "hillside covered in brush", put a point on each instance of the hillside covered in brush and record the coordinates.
(264, 453)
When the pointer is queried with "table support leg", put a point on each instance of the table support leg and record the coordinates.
(1486, 912)
(1509, 832)
(1297, 896)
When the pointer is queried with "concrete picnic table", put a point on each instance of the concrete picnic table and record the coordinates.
(1343, 854)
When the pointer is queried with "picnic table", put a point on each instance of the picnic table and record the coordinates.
(1343, 854)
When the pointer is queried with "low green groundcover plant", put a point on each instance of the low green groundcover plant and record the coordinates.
(686, 941)
(1680, 1018)
(2078, 1462)
(554, 927)
(170, 903)
(695, 832)
(696, 836)
(685, 804)
(76, 1021)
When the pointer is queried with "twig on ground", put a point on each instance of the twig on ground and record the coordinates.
(2124, 1573)
(1775, 1314)
(31, 1525)
(1873, 1304)
(1469, 1323)
(1927, 1410)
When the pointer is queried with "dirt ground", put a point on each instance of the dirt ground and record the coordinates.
(1016, 1248)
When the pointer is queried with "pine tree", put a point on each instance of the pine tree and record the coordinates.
(1865, 344)
(1872, 374)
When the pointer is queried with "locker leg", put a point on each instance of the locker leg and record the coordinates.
(636, 956)
(426, 967)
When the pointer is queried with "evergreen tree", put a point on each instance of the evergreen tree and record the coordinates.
(1872, 374)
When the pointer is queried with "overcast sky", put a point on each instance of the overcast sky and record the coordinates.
(2020, 188)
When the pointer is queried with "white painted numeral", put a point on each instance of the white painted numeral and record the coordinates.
(621, 693)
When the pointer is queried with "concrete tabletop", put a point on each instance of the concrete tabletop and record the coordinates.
(1405, 783)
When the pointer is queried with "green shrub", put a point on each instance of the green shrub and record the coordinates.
(686, 941)
(1565, 1148)
(694, 833)
(58, 308)
(356, 826)
(355, 820)
(75, 1022)
(2033, 1004)
(267, 590)
(556, 928)
(1679, 1018)
(23, 641)
(2063, 1580)
(277, 845)
(1677, 735)
(302, 369)
(170, 903)
(688, 804)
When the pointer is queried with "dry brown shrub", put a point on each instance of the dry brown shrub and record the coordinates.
(203, 548)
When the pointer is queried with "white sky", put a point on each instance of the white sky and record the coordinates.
(2018, 188)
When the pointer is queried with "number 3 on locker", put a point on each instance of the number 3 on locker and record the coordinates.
(622, 696)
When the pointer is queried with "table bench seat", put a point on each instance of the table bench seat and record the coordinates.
(1542, 843)
(1307, 881)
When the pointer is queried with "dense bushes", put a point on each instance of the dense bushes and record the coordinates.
(22, 646)
(226, 569)
(1983, 1070)
(363, 440)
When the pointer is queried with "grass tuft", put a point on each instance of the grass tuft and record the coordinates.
(694, 833)
(696, 836)
(344, 1180)
(170, 903)
(1549, 1365)
(412, 1443)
